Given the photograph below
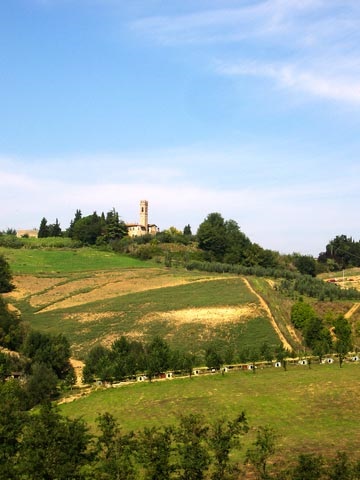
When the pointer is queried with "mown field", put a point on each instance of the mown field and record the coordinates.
(95, 297)
(312, 410)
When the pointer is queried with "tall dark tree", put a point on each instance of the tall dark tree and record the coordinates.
(5, 276)
(238, 246)
(51, 350)
(77, 217)
(157, 357)
(52, 447)
(211, 236)
(213, 358)
(191, 445)
(115, 228)
(54, 230)
(343, 251)
(13, 415)
(88, 229)
(222, 438)
(223, 241)
(115, 451)
(343, 342)
(41, 385)
(43, 229)
(261, 450)
(316, 334)
(306, 264)
(155, 449)
(187, 230)
(12, 329)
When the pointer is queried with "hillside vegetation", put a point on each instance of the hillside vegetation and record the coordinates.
(90, 305)
(81, 298)
(95, 296)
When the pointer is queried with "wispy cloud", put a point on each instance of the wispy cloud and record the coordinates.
(316, 43)
(275, 217)
(270, 17)
(315, 81)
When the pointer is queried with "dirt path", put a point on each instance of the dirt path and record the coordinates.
(352, 310)
(293, 333)
(265, 306)
(78, 367)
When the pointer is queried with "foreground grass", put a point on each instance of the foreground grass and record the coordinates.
(311, 409)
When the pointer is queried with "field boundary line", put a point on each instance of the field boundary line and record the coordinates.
(352, 310)
(265, 306)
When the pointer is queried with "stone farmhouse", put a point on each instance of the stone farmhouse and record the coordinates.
(27, 233)
(143, 227)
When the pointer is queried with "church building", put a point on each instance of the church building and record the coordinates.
(143, 227)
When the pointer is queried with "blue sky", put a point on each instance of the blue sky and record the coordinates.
(247, 108)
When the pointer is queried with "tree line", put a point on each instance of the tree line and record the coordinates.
(127, 358)
(218, 240)
(341, 252)
(90, 230)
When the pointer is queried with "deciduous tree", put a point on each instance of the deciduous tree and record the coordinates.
(261, 450)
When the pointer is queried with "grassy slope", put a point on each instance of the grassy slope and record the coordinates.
(127, 311)
(60, 261)
(311, 409)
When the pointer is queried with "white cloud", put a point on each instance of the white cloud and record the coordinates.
(316, 42)
(290, 76)
(299, 217)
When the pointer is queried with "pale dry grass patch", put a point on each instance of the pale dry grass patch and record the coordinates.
(103, 286)
(27, 285)
(211, 316)
(106, 286)
(88, 317)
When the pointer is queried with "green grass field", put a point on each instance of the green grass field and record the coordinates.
(63, 294)
(311, 409)
(59, 261)
(123, 315)
(67, 291)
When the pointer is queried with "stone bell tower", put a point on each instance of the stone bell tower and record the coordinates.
(144, 214)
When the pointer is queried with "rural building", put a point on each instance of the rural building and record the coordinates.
(143, 227)
(27, 233)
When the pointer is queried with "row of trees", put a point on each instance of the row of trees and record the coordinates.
(47, 445)
(218, 239)
(126, 358)
(316, 288)
(90, 229)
